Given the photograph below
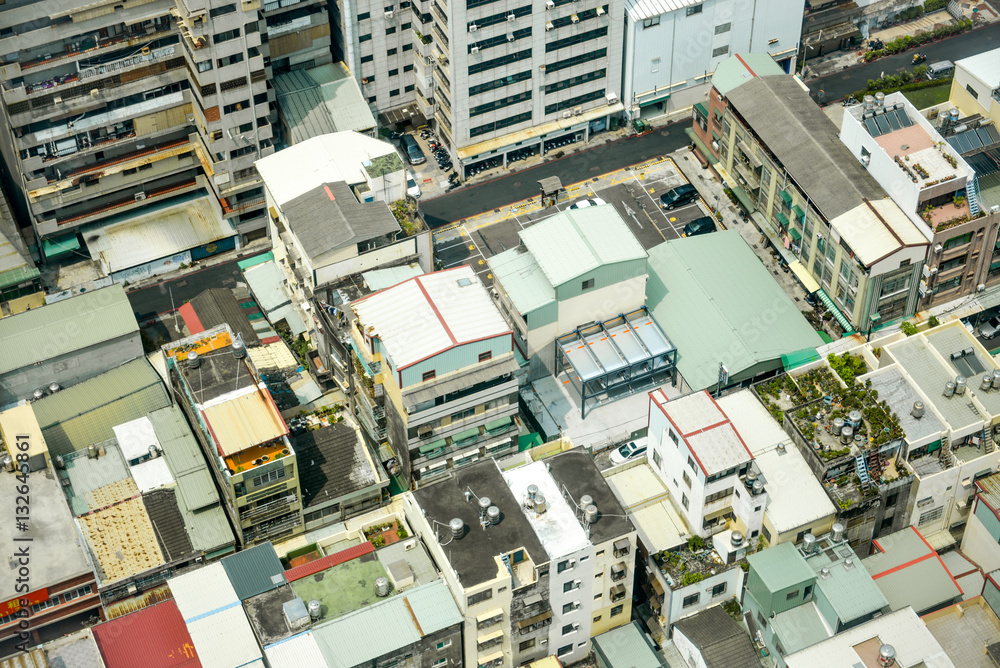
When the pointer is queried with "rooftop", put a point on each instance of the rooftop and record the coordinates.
(707, 292)
(760, 431)
(894, 388)
(64, 327)
(558, 528)
(97, 483)
(711, 437)
(122, 541)
(984, 66)
(224, 639)
(910, 573)
(988, 489)
(57, 553)
(427, 315)
(217, 306)
(876, 228)
(847, 586)
(627, 647)
(335, 462)
(522, 279)
(740, 68)
(86, 413)
(473, 556)
(791, 125)
(321, 100)
(780, 566)
(967, 357)
(295, 652)
(380, 279)
(254, 571)
(796, 498)
(244, 422)
(328, 158)
(345, 588)
(902, 629)
(19, 424)
(329, 218)
(388, 625)
(603, 350)
(801, 627)
(722, 642)
(964, 631)
(576, 472)
(267, 615)
(646, 500)
(644, 9)
(202, 591)
(164, 639)
(78, 650)
(219, 373)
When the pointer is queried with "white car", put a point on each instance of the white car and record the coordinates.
(630, 450)
(591, 201)
(412, 189)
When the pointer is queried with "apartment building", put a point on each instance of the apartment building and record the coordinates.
(933, 184)
(112, 106)
(538, 571)
(981, 538)
(240, 431)
(298, 34)
(819, 207)
(673, 49)
(434, 373)
(975, 89)
(704, 462)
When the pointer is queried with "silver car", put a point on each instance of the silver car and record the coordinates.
(989, 329)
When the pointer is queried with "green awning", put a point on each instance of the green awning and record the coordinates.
(840, 317)
(794, 233)
(744, 200)
(715, 135)
(700, 108)
(799, 213)
(61, 246)
(498, 424)
(432, 446)
(786, 196)
(653, 100)
(783, 219)
(18, 275)
(799, 357)
(718, 114)
(255, 260)
(995, 265)
(467, 435)
(700, 145)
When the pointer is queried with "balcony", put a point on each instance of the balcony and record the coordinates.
(617, 593)
(268, 510)
(87, 46)
(240, 206)
(131, 201)
(618, 572)
(622, 547)
(258, 455)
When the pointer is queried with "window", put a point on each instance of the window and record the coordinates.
(958, 241)
(364, 38)
(77, 593)
(720, 51)
(687, 479)
(500, 61)
(684, 501)
(761, 622)
(972, 92)
(691, 463)
(246, 150)
(440, 663)
(480, 597)
(407, 47)
(792, 594)
(587, 284)
(269, 477)
(204, 66)
(570, 607)
(691, 600)
(951, 264)
(394, 92)
(575, 39)
(499, 125)
(372, 99)
(365, 16)
(394, 72)
(575, 60)
(931, 516)
(563, 566)
(807, 592)
(723, 27)
(408, 68)
(570, 586)
(649, 23)
(657, 459)
(367, 59)
(226, 36)
(429, 375)
(566, 630)
(617, 610)
(526, 645)
(890, 500)
(406, 26)
(654, 65)
(565, 649)
(598, 618)
(445, 644)
(696, 9)
(499, 103)
(390, 30)
(392, 52)
(222, 11)
(236, 106)
(719, 589)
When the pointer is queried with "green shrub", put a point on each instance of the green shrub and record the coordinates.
(847, 366)
(908, 328)
(933, 321)
(934, 5)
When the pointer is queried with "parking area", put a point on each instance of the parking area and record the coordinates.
(433, 181)
(988, 321)
(634, 193)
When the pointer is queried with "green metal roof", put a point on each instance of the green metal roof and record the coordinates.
(794, 233)
(467, 434)
(18, 275)
(786, 196)
(627, 647)
(783, 219)
(707, 293)
(738, 69)
(255, 260)
(780, 567)
(799, 213)
(184, 458)
(56, 247)
(86, 413)
(432, 446)
(322, 100)
(522, 279)
(851, 592)
(702, 147)
(253, 571)
(575, 242)
(64, 327)
(744, 199)
(800, 627)
(835, 310)
(499, 422)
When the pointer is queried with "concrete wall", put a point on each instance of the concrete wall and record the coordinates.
(581, 578)
(691, 654)
(673, 600)
(603, 560)
(981, 538)
(951, 490)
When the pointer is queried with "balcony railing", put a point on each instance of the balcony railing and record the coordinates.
(243, 205)
(73, 49)
(264, 510)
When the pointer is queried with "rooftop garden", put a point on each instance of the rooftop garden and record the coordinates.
(690, 563)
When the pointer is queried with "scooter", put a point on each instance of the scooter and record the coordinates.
(918, 58)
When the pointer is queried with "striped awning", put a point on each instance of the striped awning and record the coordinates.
(467, 435)
(840, 317)
(432, 446)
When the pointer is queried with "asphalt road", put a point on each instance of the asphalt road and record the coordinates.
(149, 301)
(570, 169)
(838, 86)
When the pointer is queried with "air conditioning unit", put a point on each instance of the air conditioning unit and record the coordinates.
(933, 270)
(510, 38)
(938, 248)
(510, 18)
(574, 18)
(611, 97)
(550, 4)
(473, 28)
(980, 287)
(995, 208)
(474, 49)
(549, 26)
(578, 111)
(600, 11)
(56, 99)
(389, 14)
(567, 114)
(543, 641)
(140, 197)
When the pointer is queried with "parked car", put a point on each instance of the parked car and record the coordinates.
(626, 452)
(411, 149)
(940, 70)
(591, 201)
(680, 196)
(990, 328)
(702, 225)
(412, 189)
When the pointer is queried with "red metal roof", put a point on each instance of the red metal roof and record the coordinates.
(190, 319)
(154, 637)
(314, 567)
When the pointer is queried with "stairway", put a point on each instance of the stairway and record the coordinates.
(972, 196)
(874, 466)
(862, 469)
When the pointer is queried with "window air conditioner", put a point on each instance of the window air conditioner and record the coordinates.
(600, 11)
(389, 14)
(578, 111)
(140, 197)
(550, 4)
(938, 248)
(473, 28)
(567, 114)
(549, 26)
(474, 49)
(510, 38)
(574, 18)
(510, 18)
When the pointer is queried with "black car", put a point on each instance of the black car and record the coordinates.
(412, 150)
(679, 196)
(702, 225)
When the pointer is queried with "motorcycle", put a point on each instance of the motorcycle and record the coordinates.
(918, 58)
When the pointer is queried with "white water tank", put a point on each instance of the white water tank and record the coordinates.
(540, 504)
(493, 515)
(315, 610)
(457, 527)
(193, 360)
(382, 587)
(959, 385)
(918, 409)
(838, 532)
(809, 545)
(589, 515)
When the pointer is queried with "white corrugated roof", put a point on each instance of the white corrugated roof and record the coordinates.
(794, 496)
(718, 449)
(151, 474)
(429, 314)
(135, 437)
(202, 591)
(160, 234)
(224, 639)
(692, 412)
(984, 66)
(877, 229)
(298, 651)
(646, 499)
(330, 158)
(647, 9)
(759, 430)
